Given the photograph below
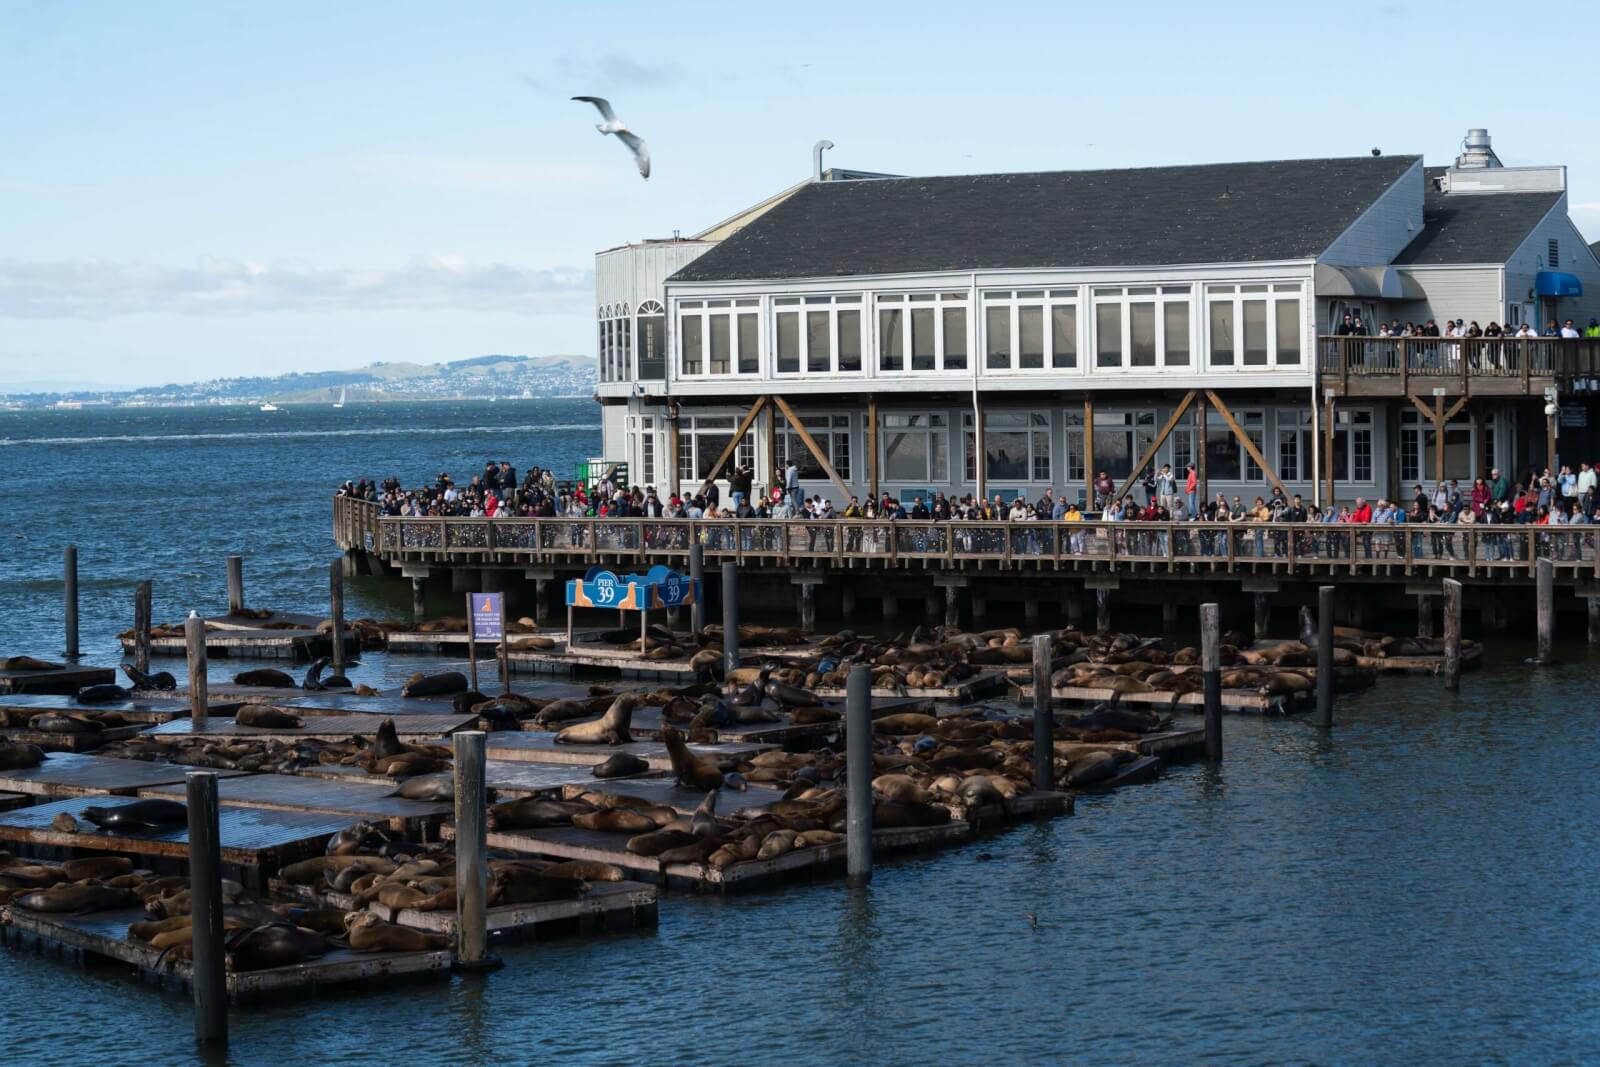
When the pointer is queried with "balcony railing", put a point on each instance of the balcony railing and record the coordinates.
(1533, 361)
(1288, 548)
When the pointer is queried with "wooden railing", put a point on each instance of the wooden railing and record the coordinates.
(1245, 548)
(1458, 361)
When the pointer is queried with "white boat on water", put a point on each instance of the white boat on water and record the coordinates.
(269, 406)
(340, 402)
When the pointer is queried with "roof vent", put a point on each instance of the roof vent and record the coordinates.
(816, 158)
(1475, 151)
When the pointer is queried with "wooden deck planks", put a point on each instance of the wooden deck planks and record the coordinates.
(64, 682)
(139, 709)
(286, 792)
(328, 727)
(76, 775)
(541, 747)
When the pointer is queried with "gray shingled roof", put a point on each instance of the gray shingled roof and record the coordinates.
(1210, 213)
(1473, 227)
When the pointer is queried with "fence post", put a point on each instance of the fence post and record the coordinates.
(697, 573)
(69, 574)
(1452, 634)
(235, 585)
(208, 977)
(858, 773)
(472, 855)
(1325, 655)
(1211, 669)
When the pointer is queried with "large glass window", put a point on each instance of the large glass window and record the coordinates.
(1120, 438)
(1226, 459)
(718, 337)
(691, 341)
(891, 339)
(1107, 334)
(827, 341)
(922, 332)
(1142, 326)
(1255, 325)
(832, 434)
(916, 448)
(1024, 327)
(1352, 447)
(1064, 336)
(651, 346)
(1016, 447)
(701, 439)
(997, 337)
(1175, 332)
(953, 339)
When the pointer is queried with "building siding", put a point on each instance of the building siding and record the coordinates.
(1468, 293)
(1384, 229)
(1576, 258)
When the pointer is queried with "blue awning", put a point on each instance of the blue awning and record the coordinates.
(1557, 283)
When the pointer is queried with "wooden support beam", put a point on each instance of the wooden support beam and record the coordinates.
(672, 457)
(733, 445)
(1155, 446)
(1438, 442)
(1088, 451)
(872, 447)
(1204, 493)
(1327, 446)
(774, 472)
(811, 446)
(1244, 440)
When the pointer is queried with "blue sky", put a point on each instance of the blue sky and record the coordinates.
(191, 190)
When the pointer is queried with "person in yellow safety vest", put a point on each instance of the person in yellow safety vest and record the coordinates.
(1593, 329)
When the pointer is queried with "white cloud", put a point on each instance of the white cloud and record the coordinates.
(96, 289)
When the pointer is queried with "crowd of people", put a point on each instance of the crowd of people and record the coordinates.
(1565, 497)
(1354, 326)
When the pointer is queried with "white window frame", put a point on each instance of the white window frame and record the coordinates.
(1126, 296)
(1043, 298)
(818, 429)
(1034, 423)
(937, 424)
(937, 301)
(1273, 293)
(690, 431)
(1141, 424)
(732, 308)
(802, 305)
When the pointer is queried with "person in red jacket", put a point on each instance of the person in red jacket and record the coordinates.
(1361, 515)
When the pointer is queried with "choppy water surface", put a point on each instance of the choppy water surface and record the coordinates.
(1418, 887)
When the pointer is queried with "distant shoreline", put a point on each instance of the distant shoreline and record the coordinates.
(20, 403)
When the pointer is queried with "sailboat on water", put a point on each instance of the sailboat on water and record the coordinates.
(340, 402)
(269, 406)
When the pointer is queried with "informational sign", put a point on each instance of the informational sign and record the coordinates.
(660, 587)
(671, 588)
(1575, 416)
(487, 617)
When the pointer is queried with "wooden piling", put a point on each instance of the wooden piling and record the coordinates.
(697, 573)
(235, 584)
(1424, 615)
(141, 627)
(858, 772)
(1263, 616)
(419, 599)
(730, 617)
(1044, 719)
(195, 631)
(336, 611)
(472, 854)
(1211, 674)
(952, 606)
(69, 574)
(808, 608)
(1546, 578)
(1102, 611)
(209, 976)
(1594, 619)
(1452, 634)
(1325, 655)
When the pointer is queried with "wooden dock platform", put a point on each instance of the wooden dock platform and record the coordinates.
(105, 934)
(64, 682)
(1246, 700)
(977, 687)
(75, 775)
(537, 746)
(253, 839)
(53, 742)
(1185, 741)
(323, 727)
(622, 664)
(12, 801)
(456, 643)
(356, 801)
(300, 645)
(138, 709)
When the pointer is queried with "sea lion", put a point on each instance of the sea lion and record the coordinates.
(149, 813)
(687, 768)
(105, 693)
(532, 644)
(368, 933)
(463, 703)
(78, 899)
(101, 868)
(358, 837)
(621, 765)
(817, 838)
(51, 723)
(20, 757)
(265, 678)
(64, 823)
(434, 685)
(28, 663)
(658, 841)
(754, 693)
(562, 711)
(532, 813)
(887, 814)
(161, 681)
(435, 787)
(323, 920)
(279, 944)
(904, 723)
(366, 691)
(32, 876)
(612, 728)
(267, 717)
(150, 929)
(790, 696)
(585, 870)
(614, 820)
(704, 821)
(312, 682)
(901, 789)
(518, 884)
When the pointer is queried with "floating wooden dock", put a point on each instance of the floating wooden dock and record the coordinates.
(1180, 744)
(622, 664)
(977, 687)
(74, 775)
(1471, 659)
(105, 934)
(81, 742)
(138, 709)
(456, 643)
(356, 801)
(1232, 699)
(322, 727)
(540, 747)
(64, 682)
(253, 839)
(11, 801)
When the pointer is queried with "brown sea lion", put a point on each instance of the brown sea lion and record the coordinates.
(329, 921)
(434, 685)
(615, 820)
(531, 813)
(32, 876)
(98, 867)
(152, 928)
(887, 814)
(28, 663)
(901, 789)
(266, 717)
(78, 899)
(64, 823)
(658, 841)
(904, 723)
(434, 787)
(265, 677)
(817, 838)
(585, 870)
(515, 883)
(621, 765)
(20, 757)
(272, 945)
(612, 728)
(368, 933)
(52, 723)
(687, 768)
(149, 813)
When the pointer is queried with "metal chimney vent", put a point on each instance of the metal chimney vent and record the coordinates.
(1476, 151)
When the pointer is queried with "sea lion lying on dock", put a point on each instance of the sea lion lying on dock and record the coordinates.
(266, 717)
(105, 693)
(150, 813)
(434, 787)
(622, 765)
(612, 728)
(315, 683)
(265, 678)
(434, 685)
(15, 757)
(28, 663)
(79, 899)
(280, 944)
(53, 723)
(365, 932)
(533, 813)
(161, 681)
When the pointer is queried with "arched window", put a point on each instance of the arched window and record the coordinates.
(650, 345)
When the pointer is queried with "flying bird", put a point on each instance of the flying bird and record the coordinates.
(612, 124)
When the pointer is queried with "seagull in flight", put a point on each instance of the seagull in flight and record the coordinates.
(612, 124)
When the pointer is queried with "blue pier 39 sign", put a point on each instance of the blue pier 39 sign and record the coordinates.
(660, 587)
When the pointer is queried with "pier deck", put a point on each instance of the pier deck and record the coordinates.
(138, 709)
(323, 727)
(64, 682)
(74, 775)
(80, 742)
(357, 801)
(540, 747)
(1232, 699)
(105, 934)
